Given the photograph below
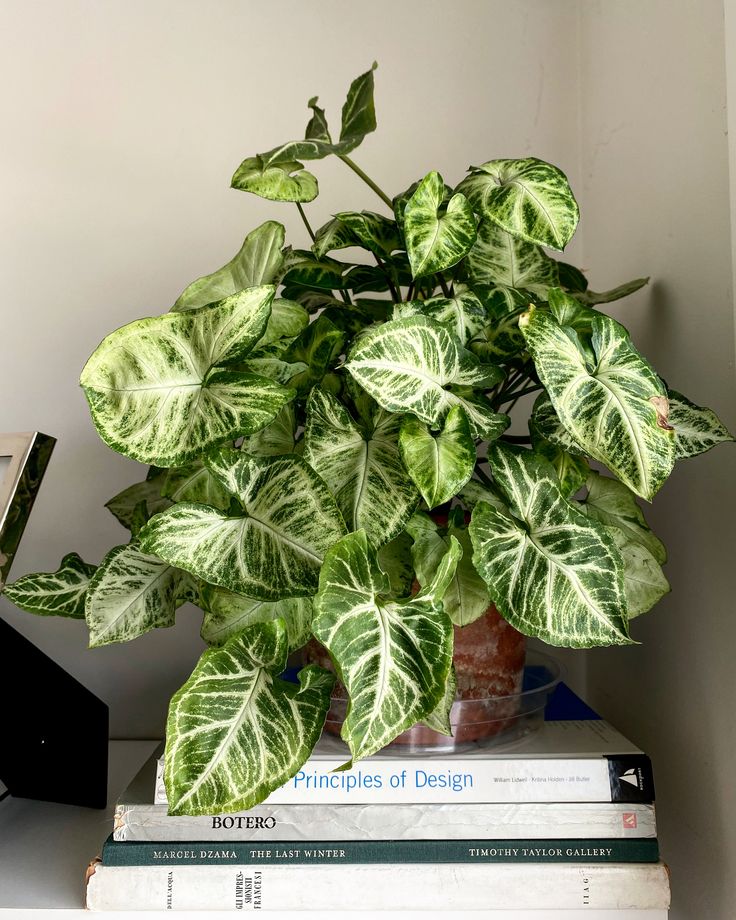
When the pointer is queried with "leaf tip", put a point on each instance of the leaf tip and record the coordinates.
(662, 408)
(526, 317)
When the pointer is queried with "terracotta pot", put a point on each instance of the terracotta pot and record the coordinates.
(489, 664)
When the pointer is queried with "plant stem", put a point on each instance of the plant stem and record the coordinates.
(395, 296)
(368, 181)
(516, 438)
(517, 394)
(410, 292)
(443, 285)
(306, 222)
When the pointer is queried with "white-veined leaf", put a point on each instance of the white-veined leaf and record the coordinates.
(393, 656)
(436, 238)
(227, 613)
(439, 719)
(644, 581)
(697, 428)
(131, 593)
(60, 593)
(372, 231)
(415, 365)
(286, 180)
(528, 198)
(498, 258)
(257, 262)
(546, 423)
(613, 504)
(463, 314)
(195, 483)
(274, 549)
(551, 571)
(466, 598)
(363, 470)
(235, 731)
(286, 321)
(331, 236)
(156, 393)
(124, 504)
(439, 465)
(275, 439)
(394, 558)
(617, 411)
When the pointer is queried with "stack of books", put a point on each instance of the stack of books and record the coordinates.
(563, 820)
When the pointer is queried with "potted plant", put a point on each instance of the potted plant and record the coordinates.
(302, 416)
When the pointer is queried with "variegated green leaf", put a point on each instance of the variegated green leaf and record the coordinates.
(617, 412)
(440, 466)
(463, 314)
(439, 719)
(394, 558)
(235, 731)
(284, 181)
(546, 423)
(195, 483)
(331, 236)
(60, 593)
(550, 570)
(275, 439)
(304, 268)
(393, 656)
(274, 549)
(697, 428)
(318, 347)
(498, 258)
(500, 339)
(372, 231)
(362, 469)
(257, 262)
(436, 238)
(286, 321)
(227, 613)
(623, 290)
(466, 599)
(528, 198)
(475, 491)
(124, 504)
(613, 504)
(568, 311)
(273, 368)
(358, 111)
(155, 391)
(131, 593)
(644, 581)
(415, 365)
(572, 470)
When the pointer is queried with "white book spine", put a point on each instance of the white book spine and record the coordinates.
(472, 781)
(392, 822)
(437, 887)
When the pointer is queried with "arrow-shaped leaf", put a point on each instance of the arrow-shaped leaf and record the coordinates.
(436, 239)
(466, 599)
(415, 365)
(274, 549)
(464, 315)
(60, 593)
(498, 258)
(227, 613)
(550, 570)
(644, 581)
(440, 466)
(258, 262)
(697, 428)
(286, 180)
(362, 469)
(613, 504)
(393, 656)
(235, 731)
(528, 198)
(156, 393)
(616, 411)
(131, 593)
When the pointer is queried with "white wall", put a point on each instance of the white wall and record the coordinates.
(655, 196)
(122, 124)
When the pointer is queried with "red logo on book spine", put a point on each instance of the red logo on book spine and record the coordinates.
(629, 819)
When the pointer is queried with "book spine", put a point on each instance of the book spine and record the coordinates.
(612, 778)
(343, 852)
(389, 822)
(439, 887)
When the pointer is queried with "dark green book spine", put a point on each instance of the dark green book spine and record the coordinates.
(258, 853)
